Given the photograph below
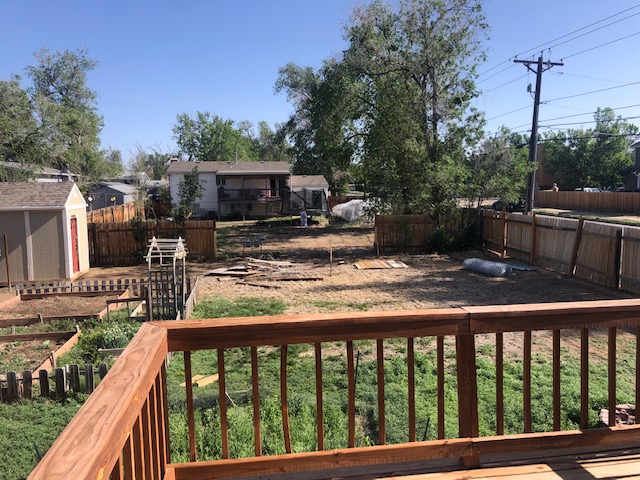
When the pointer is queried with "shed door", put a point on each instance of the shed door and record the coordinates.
(74, 245)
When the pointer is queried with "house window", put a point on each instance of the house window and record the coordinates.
(222, 181)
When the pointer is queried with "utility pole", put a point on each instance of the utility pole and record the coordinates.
(533, 143)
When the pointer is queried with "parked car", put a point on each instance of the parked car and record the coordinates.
(588, 189)
(511, 207)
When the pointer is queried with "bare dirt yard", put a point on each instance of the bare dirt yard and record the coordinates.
(430, 281)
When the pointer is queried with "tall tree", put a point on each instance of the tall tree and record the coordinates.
(322, 129)
(591, 157)
(66, 108)
(421, 56)
(210, 138)
(497, 168)
(19, 132)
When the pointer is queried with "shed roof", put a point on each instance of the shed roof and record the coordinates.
(26, 195)
(308, 181)
(231, 168)
(119, 187)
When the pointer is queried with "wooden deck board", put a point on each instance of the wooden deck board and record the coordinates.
(598, 465)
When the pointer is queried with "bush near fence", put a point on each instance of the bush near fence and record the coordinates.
(121, 244)
(116, 213)
(415, 233)
(601, 253)
(618, 202)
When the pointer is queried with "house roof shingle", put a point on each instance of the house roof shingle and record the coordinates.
(308, 181)
(230, 168)
(25, 195)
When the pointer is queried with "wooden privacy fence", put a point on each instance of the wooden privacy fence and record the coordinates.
(122, 431)
(618, 202)
(70, 378)
(413, 232)
(117, 213)
(119, 244)
(600, 253)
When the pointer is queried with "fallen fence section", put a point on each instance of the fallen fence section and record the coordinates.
(56, 385)
(603, 254)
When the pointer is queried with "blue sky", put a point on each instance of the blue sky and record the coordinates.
(158, 59)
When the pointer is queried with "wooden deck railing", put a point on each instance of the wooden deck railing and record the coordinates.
(122, 430)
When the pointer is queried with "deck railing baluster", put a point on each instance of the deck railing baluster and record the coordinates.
(255, 400)
(526, 381)
(440, 386)
(556, 380)
(584, 377)
(382, 431)
(224, 426)
(351, 394)
(319, 399)
(499, 383)
(190, 414)
(411, 389)
(612, 376)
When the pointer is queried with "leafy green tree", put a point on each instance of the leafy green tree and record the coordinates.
(497, 168)
(416, 65)
(190, 189)
(19, 132)
(157, 164)
(397, 103)
(210, 138)
(66, 108)
(591, 157)
(322, 130)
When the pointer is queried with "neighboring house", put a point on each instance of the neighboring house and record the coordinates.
(132, 178)
(631, 175)
(46, 228)
(39, 174)
(236, 189)
(310, 190)
(108, 194)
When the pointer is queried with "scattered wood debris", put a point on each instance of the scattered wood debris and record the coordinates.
(373, 264)
(201, 380)
(256, 272)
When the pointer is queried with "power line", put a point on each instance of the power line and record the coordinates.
(497, 73)
(533, 49)
(588, 78)
(507, 113)
(579, 115)
(591, 31)
(588, 121)
(594, 91)
(601, 45)
(579, 30)
(506, 83)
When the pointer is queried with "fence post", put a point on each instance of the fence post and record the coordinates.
(616, 259)
(467, 392)
(43, 379)
(102, 370)
(61, 384)
(27, 384)
(532, 260)
(74, 378)
(88, 378)
(576, 246)
(12, 387)
(504, 233)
